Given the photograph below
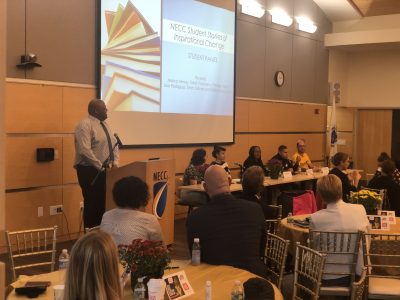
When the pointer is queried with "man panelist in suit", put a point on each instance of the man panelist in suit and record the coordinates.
(94, 143)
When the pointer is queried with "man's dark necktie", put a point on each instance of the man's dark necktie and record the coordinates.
(110, 147)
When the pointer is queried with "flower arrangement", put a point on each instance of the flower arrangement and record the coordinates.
(275, 168)
(369, 199)
(144, 259)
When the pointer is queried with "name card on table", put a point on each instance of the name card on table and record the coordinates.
(391, 216)
(309, 172)
(325, 170)
(177, 286)
(379, 222)
(287, 175)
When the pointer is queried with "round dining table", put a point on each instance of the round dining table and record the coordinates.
(222, 279)
(294, 233)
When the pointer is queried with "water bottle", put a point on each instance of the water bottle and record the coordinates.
(63, 259)
(237, 291)
(208, 290)
(139, 291)
(196, 252)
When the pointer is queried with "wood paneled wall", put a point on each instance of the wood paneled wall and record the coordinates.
(374, 135)
(42, 115)
(2, 93)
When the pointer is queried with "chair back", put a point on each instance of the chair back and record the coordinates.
(39, 243)
(342, 250)
(272, 226)
(358, 289)
(275, 258)
(382, 260)
(307, 273)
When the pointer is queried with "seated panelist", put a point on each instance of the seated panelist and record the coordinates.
(254, 159)
(283, 157)
(301, 157)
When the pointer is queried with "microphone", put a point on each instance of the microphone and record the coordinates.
(118, 140)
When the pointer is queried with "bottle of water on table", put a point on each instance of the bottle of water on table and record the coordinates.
(237, 291)
(63, 259)
(196, 252)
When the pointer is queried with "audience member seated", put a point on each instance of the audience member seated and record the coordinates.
(301, 157)
(338, 216)
(231, 230)
(219, 155)
(396, 174)
(349, 181)
(254, 159)
(93, 272)
(385, 181)
(283, 156)
(253, 187)
(127, 221)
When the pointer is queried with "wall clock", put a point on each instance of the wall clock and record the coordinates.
(279, 78)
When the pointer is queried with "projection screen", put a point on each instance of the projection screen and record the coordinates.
(167, 70)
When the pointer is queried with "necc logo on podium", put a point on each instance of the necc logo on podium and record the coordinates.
(160, 193)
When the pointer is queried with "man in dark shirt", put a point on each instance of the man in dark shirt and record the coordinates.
(282, 156)
(230, 230)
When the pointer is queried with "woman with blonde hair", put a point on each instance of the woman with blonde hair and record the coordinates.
(93, 270)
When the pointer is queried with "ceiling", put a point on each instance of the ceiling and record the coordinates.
(369, 8)
(343, 10)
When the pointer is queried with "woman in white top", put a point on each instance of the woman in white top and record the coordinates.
(128, 221)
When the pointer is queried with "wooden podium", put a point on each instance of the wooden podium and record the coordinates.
(160, 178)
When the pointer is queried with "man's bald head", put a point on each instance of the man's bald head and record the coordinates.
(216, 181)
(97, 108)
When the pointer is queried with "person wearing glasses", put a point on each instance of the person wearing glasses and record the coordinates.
(301, 157)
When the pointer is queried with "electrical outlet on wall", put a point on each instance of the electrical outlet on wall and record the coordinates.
(40, 211)
(56, 210)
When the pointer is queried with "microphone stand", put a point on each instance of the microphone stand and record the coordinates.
(104, 165)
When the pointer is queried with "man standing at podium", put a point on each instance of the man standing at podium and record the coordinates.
(94, 152)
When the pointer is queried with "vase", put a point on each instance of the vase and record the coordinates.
(274, 174)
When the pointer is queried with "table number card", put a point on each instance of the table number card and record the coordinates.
(177, 286)
(287, 175)
(325, 170)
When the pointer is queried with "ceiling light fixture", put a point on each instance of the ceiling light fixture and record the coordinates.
(279, 16)
(252, 8)
(305, 24)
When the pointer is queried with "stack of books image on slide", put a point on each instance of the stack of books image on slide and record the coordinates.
(130, 62)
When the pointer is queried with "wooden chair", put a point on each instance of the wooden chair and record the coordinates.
(382, 259)
(30, 243)
(359, 288)
(307, 273)
(342, 249)
(275, 258)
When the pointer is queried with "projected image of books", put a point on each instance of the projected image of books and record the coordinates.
(130, 62)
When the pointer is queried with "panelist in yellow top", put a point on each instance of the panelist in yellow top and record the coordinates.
(301, 156)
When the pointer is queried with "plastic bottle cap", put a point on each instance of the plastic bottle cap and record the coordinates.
(64, 251)
(208, 283)
(196, 240)
(237, 282)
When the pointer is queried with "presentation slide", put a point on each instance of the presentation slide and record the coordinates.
(167, 70)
